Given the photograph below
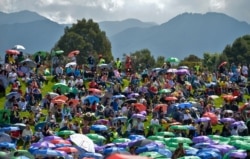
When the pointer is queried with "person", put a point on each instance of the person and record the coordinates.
(154, 121)
(140, 127)
(38, 134)
(27, 135)
(14, 115)
(5, 118)
(248, 154)
(179, 152)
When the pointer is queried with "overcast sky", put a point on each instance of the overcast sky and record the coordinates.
(159, 11)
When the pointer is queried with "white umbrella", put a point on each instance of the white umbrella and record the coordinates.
(19, 47)
(83, 142)
(70, 64)
(52, 94)
(214, 96)
(29, 63)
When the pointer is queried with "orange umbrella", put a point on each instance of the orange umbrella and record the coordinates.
(161, 106)
(222, 64)
(140, 107)
(212, 116)
(122, 156)
(170, 98)
(73, 53)
(60, 141)
(94, 90)
(61, 97)
(74, 102)
(229, 97)
(67, 149)
(58, 101)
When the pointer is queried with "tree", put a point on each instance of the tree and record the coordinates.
(191, 61)
(159, 61)
(86, 37)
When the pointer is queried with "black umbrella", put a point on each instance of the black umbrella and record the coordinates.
(131, 100)
(140, 143)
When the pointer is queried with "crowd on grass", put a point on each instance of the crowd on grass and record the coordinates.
(170, 95)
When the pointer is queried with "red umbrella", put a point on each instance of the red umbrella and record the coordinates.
(140, 107)
(67, 149)
(170, 98)
(58, 101)
(162, 106)
(94, 90)
(60, 141)
(229, 97)
(123, 156)
(73, 53)
(12, 52)
(212, 116)
(74, 102)
(61, 97)
(222, 64)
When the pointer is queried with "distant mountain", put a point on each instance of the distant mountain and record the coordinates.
(114, 27)
(183, 35)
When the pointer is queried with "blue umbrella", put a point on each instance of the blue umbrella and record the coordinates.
(191, 152)
(185, 105)
(5, 137)
(7, 145)
(202, 145)
(98, 128)
(91, 155)
(121, 118)
(32, 149)
(110, 150)
(136, 137)
(92, 99)
(146, 148)
(40, 125)
(165, 152)
(209, 150)
(43, 144)
(209, 155)
(49, 152)
(10, 128)
(118, 96)
(13, 94)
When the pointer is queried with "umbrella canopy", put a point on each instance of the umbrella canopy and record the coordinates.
(190, 157)
(52, 94)
(238, 154)
(182, 72)
(60, 97)
(133, 95)
(164, 91)
(183, 67)
(121, 140)
(40, 126)
(121, 118)
(65, 132)
(200, 139)
(96, 137)
(180, 140)
(43, 144)
(94, 90)
(118, 96)
(58, 52)
(155, 137)
(222, 64)
(91, 99)
(13, 94)
(131, 100)
(43, 54)
(98, 128)
(165, 133)
(63, 87)
(102, 122)
(185, 105)
(173, 60)
(4, 81)
(138, 116)
(229, 97)
(71, 64)
(5, 137)
(140, 106)
(29, 63)
(123, 156)
(67, 149)
(227, 120)
(73, 53)
(209, 155)
(102, 66)
(91, 155)
(9, 128)
(50, 138)
(49, 152)
(83, 142)
(140, 143)
(111, 150)
(136, 137)
(12, 52)
(7, 145)
(170, 98)
(178, 127)
(152, 154)
(171, 70)
(212, 116)
(19, 47)
(163, 107)
(20, 125)
(23, 153)
(202, 119)
(146, 148)
(60, 141)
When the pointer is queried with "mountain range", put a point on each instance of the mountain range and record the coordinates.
(184, 34)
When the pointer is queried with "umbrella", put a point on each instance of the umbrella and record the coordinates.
(183, 67)
(236, 137)
(50, 138)
(136, 137)
(133, 95)
(238, 154)
(238, 123)
(65, 132)
(19, 47)
(91, 155)
(138, 116)
(118, 96)
(111, 150)
(123, 156)
(52, 94)
(178, 127)
(173, 60)
(222, 64)
(202, 145)
(209, 155)
(61, 97)
(190, 157)
(227, 120)
(7, 145)
(20, 125)
(171, 70)
(223, 148)
(98, 128)
(82, 141)
(185, 105)
(131, 100)
(155, 137)
(12, 52)
(5, 137)
(140, 143)
(4, 80)
(96, 137)
(163, 91)
(58, 52)
(42, 54)
(140, 106)
(64, 88)
(73, 53)
(229, 97)
(94, 90)
(102, 66)
(212, 116)
(58, 101)
(40, 126)
(148, 147)
(170, 98)
(121, 118)
(43, 144)
(71, 64)
(163, 107)
(13, 94)
(214, 96)
(165, 133)
(29, 63)
(202, 119)
(10, 128)
(121, 140)
(102, 122)
(67, 149)
(49, 152)
(180, 140)
(182, 72)
(152, 154)
(60, 141)
(22, 153)
(200, 139)
(92, 99)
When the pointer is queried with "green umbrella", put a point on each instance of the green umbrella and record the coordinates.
(64, 88)
(163, 91)
(154, 137)
(237, 143)
(165, 133)
(23, 153)
(215, 137)
(173, 60)
(151, 154)
(3, 154)
(58, 52)
(180, 140)
(65, 132)
(179, 127)
(190, 157)
(224, 140)
(96, 137)
(245, 146)
(175, 144)
(160, 141)
(73, 90)
(236, 137)
(121, 140)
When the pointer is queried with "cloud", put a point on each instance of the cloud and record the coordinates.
(68, 11)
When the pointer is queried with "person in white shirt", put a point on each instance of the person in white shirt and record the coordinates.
(63, 80)
(12, 76)
(154, 121)
(140, 127)
(234, 131)
(71, 81)
(79, 82)
(27, 135)
(38, 134)
(22, 104)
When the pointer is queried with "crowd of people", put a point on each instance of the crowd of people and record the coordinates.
(151, 102)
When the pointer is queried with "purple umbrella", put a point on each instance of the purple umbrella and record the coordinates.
(182, 72)
(44, 144)
(143, 89)
(202, 145)
(133, 95)
(200, 139)
(227, 120)
(138, 116)
(238, 154)
(223, 148)
(238, 123)
(202, 119)
(49, 138)
(143, 113)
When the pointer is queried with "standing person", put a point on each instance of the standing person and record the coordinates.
(91, 62)
(118, 64)
(179, 152)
